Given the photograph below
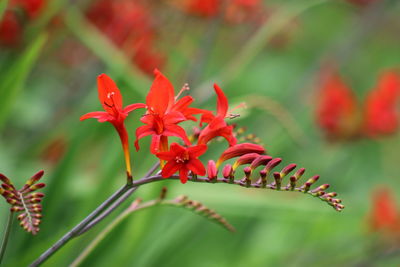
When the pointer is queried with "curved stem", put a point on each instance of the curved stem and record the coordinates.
(7, 230)
(107, 211)
(75, 231)
(93, 218)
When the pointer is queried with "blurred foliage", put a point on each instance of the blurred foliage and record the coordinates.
(49, 80)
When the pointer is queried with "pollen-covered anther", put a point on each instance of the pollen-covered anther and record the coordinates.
(212, 170)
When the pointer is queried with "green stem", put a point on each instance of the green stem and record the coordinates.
(7, 231)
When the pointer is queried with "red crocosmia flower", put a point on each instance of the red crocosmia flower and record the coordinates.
(10, 29)
(182, 159)
(204, 8)
(217, 125)
(111, 100)
(131, 27)
(381, 115)
(336, 108)
(163, 114)
(384, 214)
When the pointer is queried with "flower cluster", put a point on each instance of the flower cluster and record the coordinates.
(235, 11)
(130, 26)
(164, 114)
(25, 201)
(384, 216)
(17, 14)
(341, 117)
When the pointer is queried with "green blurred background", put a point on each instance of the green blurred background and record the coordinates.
(48, 80)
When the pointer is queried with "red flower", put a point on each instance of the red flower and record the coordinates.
(163, 114)
(216, 124)
(182, 159)
(336, 106)
(381, 114)
(204, 8)
(384, 214)
(111, 100)
(130, 26)
(10, 29)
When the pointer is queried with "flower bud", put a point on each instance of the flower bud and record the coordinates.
(239, 150)
(212, 171)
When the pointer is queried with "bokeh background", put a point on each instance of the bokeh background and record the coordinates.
(268, 54)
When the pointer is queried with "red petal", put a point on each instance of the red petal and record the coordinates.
(173, 117)
(161, 94)
(101, 116)
(175, 130)
(170, 168)
(197, 151)
(183, 175)
(109, 94)
(155, 143)
(177, 148)
(132, 107)
(141, 132)
(196, 166)
(222, 102)
(167, 155)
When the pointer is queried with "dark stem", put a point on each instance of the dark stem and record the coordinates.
(108, 211)
(116, 204)
(7, 231)
(75, 231)
(94, 218)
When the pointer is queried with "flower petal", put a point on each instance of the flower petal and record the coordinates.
(132, 107)
(109, 94)
(155, 143)
(183, 174)
(222, 102)
(173, 117)
(175, 130)
(141, 132)
(196, 166)
(166, 155)
(101, 116)
(170, 168)
(197, 151)
(161, 94)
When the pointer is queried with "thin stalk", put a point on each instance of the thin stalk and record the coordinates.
(93, 218)
(108, 211)
(134, 207)
(6, 235)
(75, 231)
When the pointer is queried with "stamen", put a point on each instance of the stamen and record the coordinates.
(185, 87)
(235, 115)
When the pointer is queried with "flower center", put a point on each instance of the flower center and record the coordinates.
(184, 157)
(158, 124)
(111, 102)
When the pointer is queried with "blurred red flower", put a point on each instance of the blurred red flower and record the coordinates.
(17, 14)
(183, 159)
(339, 115)
(130, 26)
(384, 216)
(336, 105)
(381, 115)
